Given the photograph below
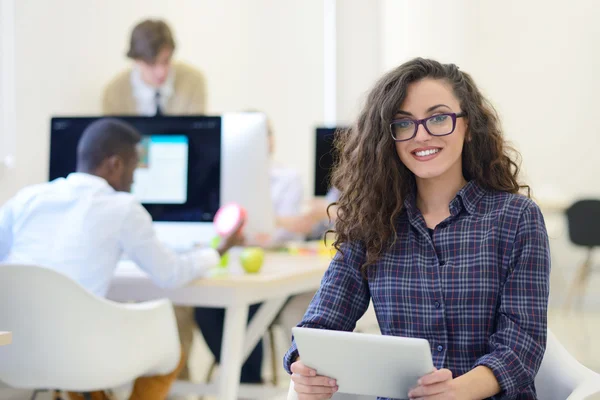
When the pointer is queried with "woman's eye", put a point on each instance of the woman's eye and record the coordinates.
(438, 119)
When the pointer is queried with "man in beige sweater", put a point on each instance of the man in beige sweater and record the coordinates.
(155, 85)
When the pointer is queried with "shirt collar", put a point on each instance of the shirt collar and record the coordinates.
(467, 198)
(84, 179)
(143, 90)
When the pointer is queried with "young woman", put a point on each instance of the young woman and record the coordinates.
(432, 228)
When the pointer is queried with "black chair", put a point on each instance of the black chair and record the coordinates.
(583, 218)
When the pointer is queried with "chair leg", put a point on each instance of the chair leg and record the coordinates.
(274, 377)
(211, 371)
(579, 284)
(55, 394)
(209, 375)
(35, 393)
(213, 366)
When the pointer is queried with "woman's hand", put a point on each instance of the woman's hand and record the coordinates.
(309, 385)
(438, 385)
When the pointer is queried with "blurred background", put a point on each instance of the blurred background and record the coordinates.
(310, 63)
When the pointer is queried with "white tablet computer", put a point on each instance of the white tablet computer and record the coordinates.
(373, 365)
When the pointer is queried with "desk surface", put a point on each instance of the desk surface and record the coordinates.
(278, 268)
(5, 338)
(281, 275)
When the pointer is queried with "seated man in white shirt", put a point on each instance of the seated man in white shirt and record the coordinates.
(82, 225)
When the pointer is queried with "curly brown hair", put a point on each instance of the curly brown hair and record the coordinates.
(372, 180)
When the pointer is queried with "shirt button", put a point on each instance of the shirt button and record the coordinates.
(442, 263)
(437, 304)
(440, 348)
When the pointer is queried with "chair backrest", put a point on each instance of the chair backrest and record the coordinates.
(561, 374)
(583, 218)
(66, 338)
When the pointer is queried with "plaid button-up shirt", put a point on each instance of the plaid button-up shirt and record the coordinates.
(476, 288)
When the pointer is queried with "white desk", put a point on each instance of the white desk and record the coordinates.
(5, 338)
(282, 276)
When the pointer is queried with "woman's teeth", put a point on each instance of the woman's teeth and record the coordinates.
(426, 152)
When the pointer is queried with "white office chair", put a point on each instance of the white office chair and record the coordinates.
(560, 377)
(69, 339)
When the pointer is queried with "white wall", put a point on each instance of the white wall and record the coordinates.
(7, 90)
(359, 61)
(538, 63)
(264, 54)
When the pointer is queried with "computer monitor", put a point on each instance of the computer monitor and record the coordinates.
(178, 177)
(245, 169)
(324, 159)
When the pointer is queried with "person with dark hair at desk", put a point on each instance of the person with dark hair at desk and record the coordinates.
(81, 226)
(155, 85)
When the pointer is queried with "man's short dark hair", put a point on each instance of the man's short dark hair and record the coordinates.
(148, 38)
(105, 138)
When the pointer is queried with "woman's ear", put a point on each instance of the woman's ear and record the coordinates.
(468, 134)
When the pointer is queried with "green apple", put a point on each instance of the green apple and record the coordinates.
(214, 243)
(252, 259)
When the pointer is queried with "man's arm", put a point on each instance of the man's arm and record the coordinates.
(165, 267)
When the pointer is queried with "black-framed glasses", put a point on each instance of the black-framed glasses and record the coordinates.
(404, 129)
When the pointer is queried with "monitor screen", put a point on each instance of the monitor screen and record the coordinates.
(324, 159)
(178, 177)
(161, 176)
